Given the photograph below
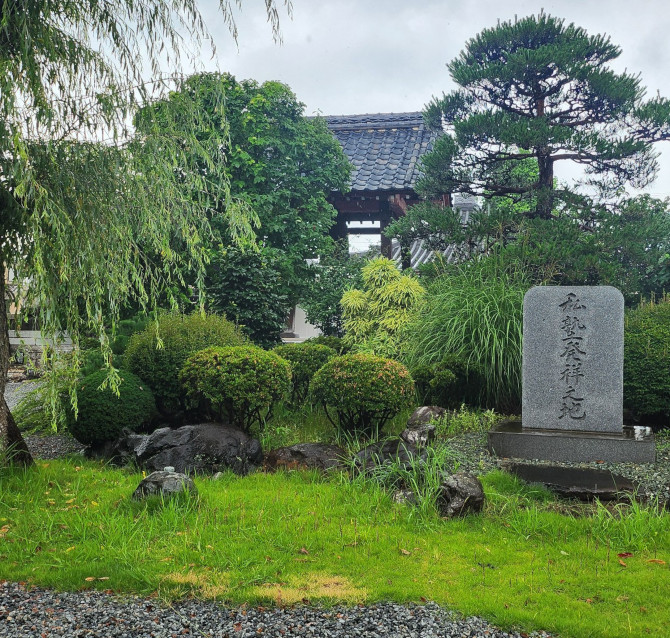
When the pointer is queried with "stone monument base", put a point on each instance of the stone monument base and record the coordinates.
(633, 445)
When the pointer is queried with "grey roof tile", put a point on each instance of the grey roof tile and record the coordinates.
(384, 148)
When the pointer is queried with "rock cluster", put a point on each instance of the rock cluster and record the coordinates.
(205, 448)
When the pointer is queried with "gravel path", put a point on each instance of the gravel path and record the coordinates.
(14, 392)
(40, 612)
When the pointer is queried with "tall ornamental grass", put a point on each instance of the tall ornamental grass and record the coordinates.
(476, 312)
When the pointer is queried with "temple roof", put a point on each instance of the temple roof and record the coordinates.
(384, 148)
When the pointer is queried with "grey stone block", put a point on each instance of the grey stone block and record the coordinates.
(632, 445)
(573, 359)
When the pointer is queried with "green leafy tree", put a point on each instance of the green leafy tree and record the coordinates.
(280, 165)
(626, 245)
(336, 272)
(247, 287)
(542, 89)
(82, 222)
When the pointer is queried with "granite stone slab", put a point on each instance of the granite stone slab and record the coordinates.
(631, 445)
(573, 359)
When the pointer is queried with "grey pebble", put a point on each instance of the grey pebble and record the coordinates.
(37, 612)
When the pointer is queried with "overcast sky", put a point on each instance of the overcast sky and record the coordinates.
(373, 56)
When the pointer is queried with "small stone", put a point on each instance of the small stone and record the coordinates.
(460, 494)
(424, 415)
(404, 497)
(164, 483)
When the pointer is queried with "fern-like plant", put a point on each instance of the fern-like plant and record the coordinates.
(375, 317)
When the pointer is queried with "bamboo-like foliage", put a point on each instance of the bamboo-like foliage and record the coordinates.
(477, 314)
(374, 318)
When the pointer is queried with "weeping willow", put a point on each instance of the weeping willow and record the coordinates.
(91, 213)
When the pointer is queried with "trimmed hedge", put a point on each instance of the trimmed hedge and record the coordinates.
(646, 364)
(363, 390)
(239, 384)
(181, 335)
(305, 359)
(336, 343)
(102, 415)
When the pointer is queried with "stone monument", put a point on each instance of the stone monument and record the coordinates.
(572, 381)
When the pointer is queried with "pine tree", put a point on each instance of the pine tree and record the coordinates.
(537, 88)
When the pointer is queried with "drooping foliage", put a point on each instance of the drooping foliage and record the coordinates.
(86, 212)
(539, 88)
(281, 166)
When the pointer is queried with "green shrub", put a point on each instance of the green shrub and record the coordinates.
(363, 390)
(305, 359)
(475, 312)
(646, 363)
(449, 383)
(181, 336)
(102, 414)
(240, 384)
(375, 317)
(336, 343)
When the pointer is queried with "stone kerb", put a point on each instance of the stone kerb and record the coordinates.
(573, 359)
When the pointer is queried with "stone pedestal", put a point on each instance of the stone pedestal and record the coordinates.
(572, 381)
(631, 445)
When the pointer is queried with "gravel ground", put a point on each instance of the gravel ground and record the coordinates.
(14, 392)
(40, 612)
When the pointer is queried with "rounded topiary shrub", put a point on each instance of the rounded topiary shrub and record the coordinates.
(336, 343)
(102, 414)
(239, 384)
(363, 391)
(449, 383)
(305, 359)
(181, 336)
(646, 363)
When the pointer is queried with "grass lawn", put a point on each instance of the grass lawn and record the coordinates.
(293, 537)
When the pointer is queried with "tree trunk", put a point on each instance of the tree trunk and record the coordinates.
(12, 445)
(545, 193)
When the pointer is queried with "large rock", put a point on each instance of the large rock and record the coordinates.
(420, 436)
(425, 415)
(305, 456)
(460, 494)
(205, 448)
(420, 431)
(387, 452)
(164, 483)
